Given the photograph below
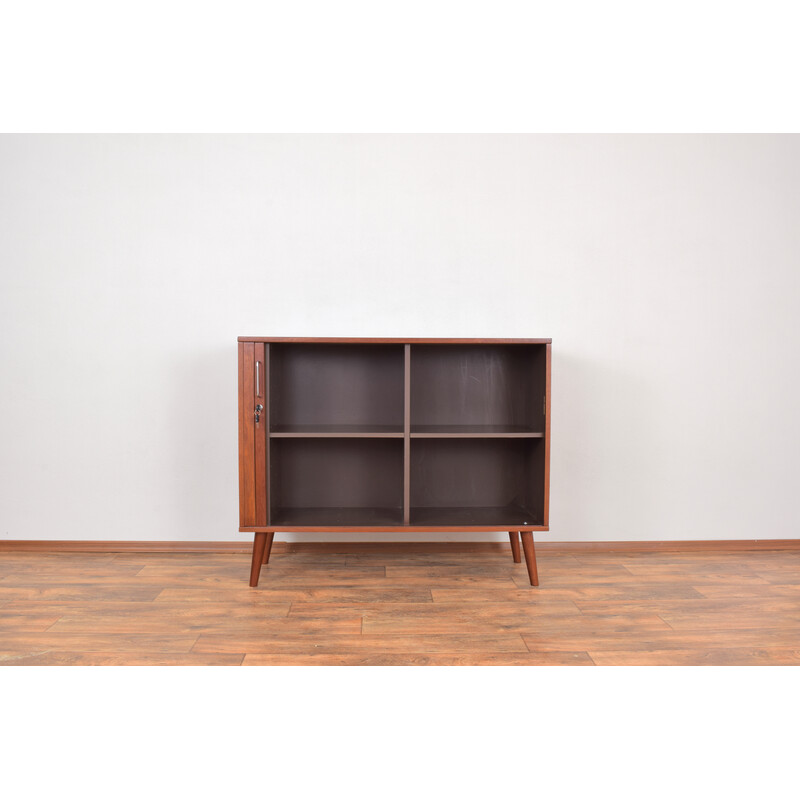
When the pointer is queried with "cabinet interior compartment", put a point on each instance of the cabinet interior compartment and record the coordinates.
(336, 387)
(477, 388)
(477, 482)
(329, 482)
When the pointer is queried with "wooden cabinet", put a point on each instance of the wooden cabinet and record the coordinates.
(372, 435)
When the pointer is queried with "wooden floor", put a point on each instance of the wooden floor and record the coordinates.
(401, 604)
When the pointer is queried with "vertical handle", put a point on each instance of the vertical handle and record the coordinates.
(258, 379)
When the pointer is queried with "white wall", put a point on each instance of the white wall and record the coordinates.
(666, 269)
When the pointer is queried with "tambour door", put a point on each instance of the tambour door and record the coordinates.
(253, 421)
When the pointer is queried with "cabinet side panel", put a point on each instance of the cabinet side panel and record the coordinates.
(247, 495)
(547, 438)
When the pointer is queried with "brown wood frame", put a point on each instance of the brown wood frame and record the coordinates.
(254, 448)
(357, 340)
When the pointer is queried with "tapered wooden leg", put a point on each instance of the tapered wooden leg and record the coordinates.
(514, 536)
(530, 557)
(268, 548)
(259, 543)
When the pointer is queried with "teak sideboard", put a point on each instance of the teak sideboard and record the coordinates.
(374, 435)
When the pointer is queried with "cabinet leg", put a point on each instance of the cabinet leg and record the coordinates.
(259, 543)
(530, 557)
(268, 548)
(514, 537)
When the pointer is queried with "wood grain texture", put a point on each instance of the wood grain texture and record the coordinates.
(50, 658)
(402, 604)
(424, 530)
(505, 659)
(247, 473)
(515, 553)
(268, 547)
(259, 545)
(359, 340)
(260, 434)
(530, 557)
(244, 517)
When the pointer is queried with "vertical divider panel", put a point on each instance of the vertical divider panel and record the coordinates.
(261, 381)
(407, 437)
(247, 482)
(546, 520)
(268, 425)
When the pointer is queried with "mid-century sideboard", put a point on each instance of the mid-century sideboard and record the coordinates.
(374, 435)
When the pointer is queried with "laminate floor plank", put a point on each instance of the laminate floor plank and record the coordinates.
(552, 659)
(336, 644)
(725, 570)
(338, 594)
(445, 611)
(122, 609)
(115, 659)
(467, 582)
(693, 561)
(277, 572)
(101, 642)
(731, 656)
(699, 608)
(453, 560)
(653, 579)
(567, 625)
(503, 572)
(88, 591)
(734, 591)
(273, 579)
(68, 573)
(631, 595)
(733, 619)
(781, 576)
(663, 639)
(10, 621)
(102, 584)
(185, 626)
(44, 557)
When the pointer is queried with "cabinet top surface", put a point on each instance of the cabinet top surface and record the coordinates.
(359, 340)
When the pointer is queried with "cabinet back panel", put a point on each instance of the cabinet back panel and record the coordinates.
(477, 385)
(336, 473)
(471, 473)
(333, 384)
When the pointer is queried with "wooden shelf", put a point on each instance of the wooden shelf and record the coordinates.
(337, 431)
(333, 517)
(474, 432)
(502, 516)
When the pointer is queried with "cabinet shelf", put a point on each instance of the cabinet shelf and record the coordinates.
(502, 516)
(363, 516)
(337, 431)
(474, 432)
